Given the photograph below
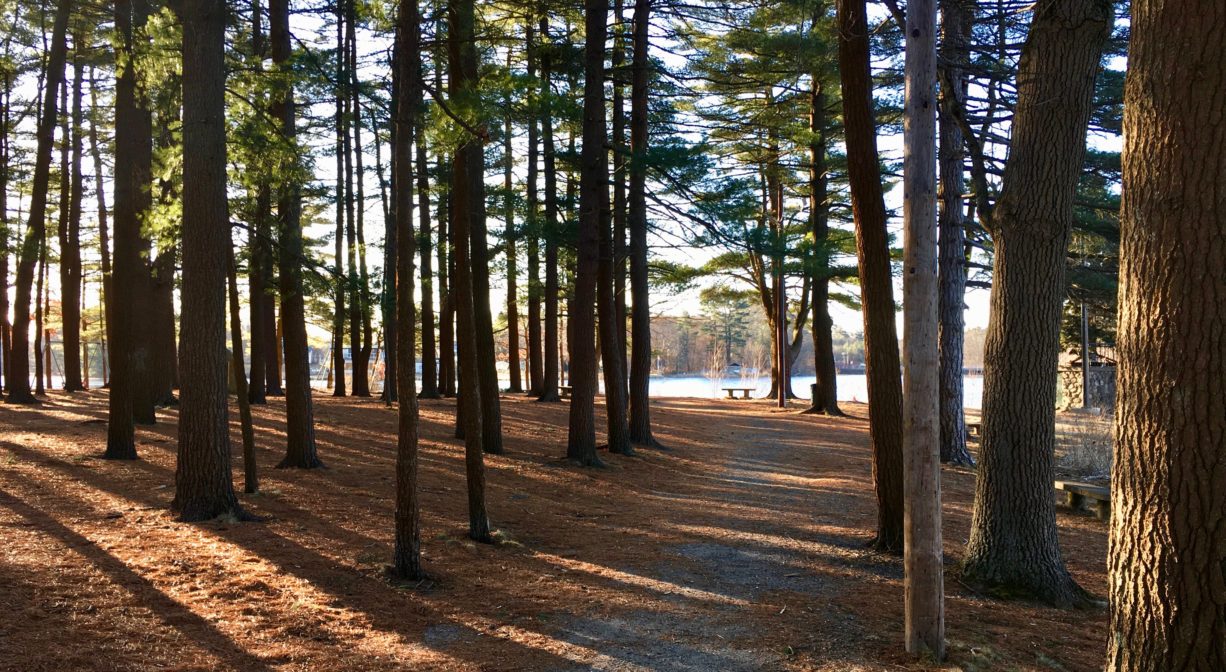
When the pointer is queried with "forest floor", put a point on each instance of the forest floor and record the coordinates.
(741, 548)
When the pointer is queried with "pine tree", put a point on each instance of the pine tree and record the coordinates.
(1166, 561)
(203, 486)
(28, 254)
(1013, 544)
(876, 282)
(300, 451)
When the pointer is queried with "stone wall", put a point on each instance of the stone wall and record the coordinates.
(1102, 388)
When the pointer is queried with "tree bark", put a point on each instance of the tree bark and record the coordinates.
(203, 487)
(479, 259)
(618, 175)
(406, 556)
(429, 350)
(467, 186)
(361, 332)
(342, 152)
(532, 228)
(511, 237)
(6, 354)
(550, 380)
(827, 399)
(1167, 559)
(164, 371)
(640, 315)
(19, 367)
(957, 20)
(446, 277)
(257, 246)
(104, 244)
(251, 479)
(391, 245)
(70, 237)
(876, 283)
(257, 390)
(41, 308)
(612, 350)
(1013, 546)
(300, 450)
(593, 198)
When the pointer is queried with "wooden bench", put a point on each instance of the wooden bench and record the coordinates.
(564, 391)
(974, 428)
(743, 390)
(1076, 494)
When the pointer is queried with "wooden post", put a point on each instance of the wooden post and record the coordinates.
(925, 608)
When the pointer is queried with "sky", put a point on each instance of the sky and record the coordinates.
(372, 50)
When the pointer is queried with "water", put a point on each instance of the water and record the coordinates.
(851, 387)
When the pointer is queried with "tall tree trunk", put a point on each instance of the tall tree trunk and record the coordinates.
(957, 19)
(1013, 545)
(511, 237)
(391, 245)
(618, 144)
(203, 486)
(135, 241)
(19, 368)
(876, 282)
(593, 199)
(6, 354)
(1167, 560)
(406, 557)
(342, 152)
(550, 381)
(479, 258)
(446, 242)
(42, 344)
(640, 316)
(251, 479)
(131, 393)
(361, 330)
(70, 237)
(164, 369)
(274, 321)
(779, 310)
(533, 224)
(104, 244)
(466, 190)
(827, 399)
(261, 298)
(429, 351)
(62, 225)
(612, 322)
(300, 451)
(257, 244)
(446, 277)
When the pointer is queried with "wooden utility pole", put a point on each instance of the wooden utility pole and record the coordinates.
(925, 607)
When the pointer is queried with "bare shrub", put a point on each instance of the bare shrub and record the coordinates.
(1085, 446)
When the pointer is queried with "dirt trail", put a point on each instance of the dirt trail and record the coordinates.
(741, 548)
(738, 563)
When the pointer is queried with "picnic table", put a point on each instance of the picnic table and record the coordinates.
(564, 391)
(743, 390)
(1077, 493)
